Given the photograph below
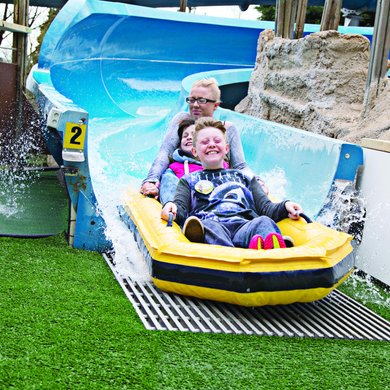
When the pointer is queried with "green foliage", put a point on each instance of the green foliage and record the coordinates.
(367, 19)
(313, 15)
(67, 324)
(267, 12)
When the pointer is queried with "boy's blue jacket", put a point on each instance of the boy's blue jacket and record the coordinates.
(222, 195)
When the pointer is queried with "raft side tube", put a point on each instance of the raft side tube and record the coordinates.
(307, 272)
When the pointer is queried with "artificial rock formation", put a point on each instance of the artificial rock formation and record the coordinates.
(316, 83)
(375, 119)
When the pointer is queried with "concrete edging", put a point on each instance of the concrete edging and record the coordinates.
(376, 144)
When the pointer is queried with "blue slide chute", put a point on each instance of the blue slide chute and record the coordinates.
(111, 76)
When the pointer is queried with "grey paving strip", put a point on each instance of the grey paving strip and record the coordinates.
(336, 317)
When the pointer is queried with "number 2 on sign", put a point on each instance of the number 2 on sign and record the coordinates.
(74, 136)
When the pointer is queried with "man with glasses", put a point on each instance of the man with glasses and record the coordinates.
(203, 100)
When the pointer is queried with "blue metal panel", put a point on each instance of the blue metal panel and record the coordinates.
(351, 156)
(90, 226)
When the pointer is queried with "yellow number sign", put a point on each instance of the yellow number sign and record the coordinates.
(74, 136)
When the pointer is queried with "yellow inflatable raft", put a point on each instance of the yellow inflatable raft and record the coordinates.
(320, 260)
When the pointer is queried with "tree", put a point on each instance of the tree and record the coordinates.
(20, 138)
(34, 54)
(267, 12)
(313, 15)
(36, 15)
(7, 14)
(367, 19)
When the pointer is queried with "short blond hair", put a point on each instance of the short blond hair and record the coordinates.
(209, 83)
(204, 122)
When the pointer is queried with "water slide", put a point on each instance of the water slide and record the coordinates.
(111, 76)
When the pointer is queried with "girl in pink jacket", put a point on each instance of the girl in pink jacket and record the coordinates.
(182, 162)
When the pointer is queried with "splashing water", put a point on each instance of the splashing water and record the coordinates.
(276, 182)
(370, 293)
(344, 210)
(110, 171)
(15, 176)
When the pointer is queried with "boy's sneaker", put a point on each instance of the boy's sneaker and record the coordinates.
(288, 241)
(274, 241)
(193, 229)
(256, 242)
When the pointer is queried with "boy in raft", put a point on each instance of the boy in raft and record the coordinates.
(182, 162)
(224, 206)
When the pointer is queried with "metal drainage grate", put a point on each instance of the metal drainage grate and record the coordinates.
(336, 316)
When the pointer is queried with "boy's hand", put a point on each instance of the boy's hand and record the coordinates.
(170, 207)
(294, 209)
(150, 189)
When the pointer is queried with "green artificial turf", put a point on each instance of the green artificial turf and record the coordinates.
(66, 324)
(32, 203)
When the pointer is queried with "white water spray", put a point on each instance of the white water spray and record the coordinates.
(110, 192)
(15, 177)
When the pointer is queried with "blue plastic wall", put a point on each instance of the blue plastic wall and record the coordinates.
(363, 5)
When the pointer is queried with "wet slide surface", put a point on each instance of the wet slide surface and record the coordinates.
(125, 71)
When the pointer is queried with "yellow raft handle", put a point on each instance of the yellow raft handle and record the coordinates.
(305, 217)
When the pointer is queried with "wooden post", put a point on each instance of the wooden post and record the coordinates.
(279, 17)
(301, 16)
(183, 5)
(19, 57)
(285, 18)
(292, 17)
(380, 47)
(331, 15)
(20, 39)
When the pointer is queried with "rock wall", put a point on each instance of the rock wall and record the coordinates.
(316, 83)
(375, 120)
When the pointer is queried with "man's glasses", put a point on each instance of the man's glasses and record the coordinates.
(191, 100)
